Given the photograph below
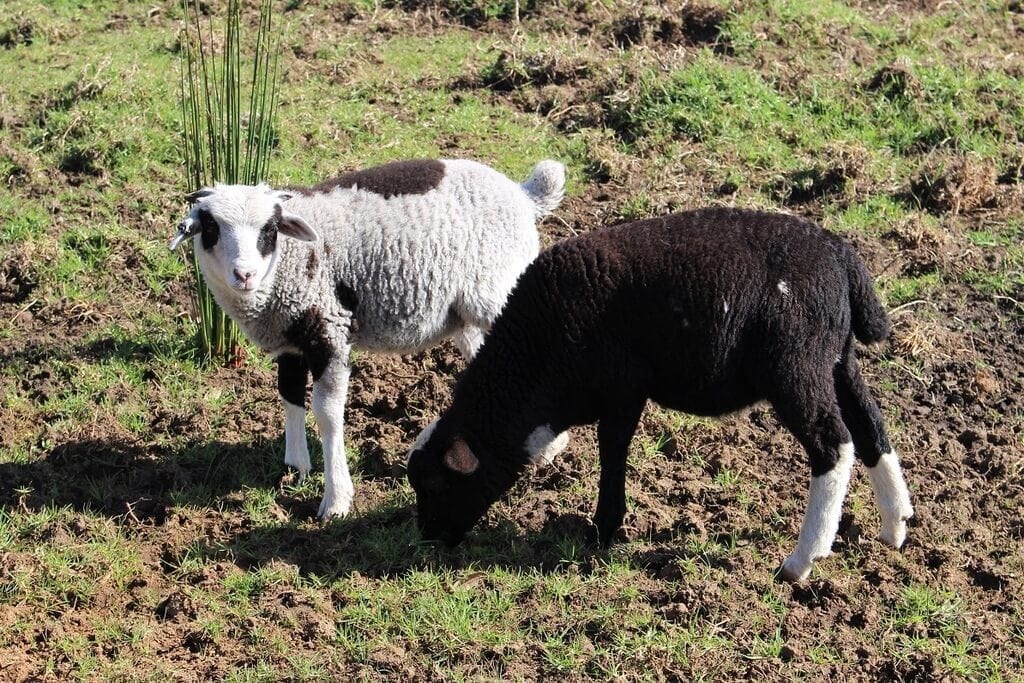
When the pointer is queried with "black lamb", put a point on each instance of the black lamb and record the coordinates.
(705, 312)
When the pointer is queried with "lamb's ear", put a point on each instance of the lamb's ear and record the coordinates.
(460, 458)
(193, 197)
(187, 228)
(296, 228)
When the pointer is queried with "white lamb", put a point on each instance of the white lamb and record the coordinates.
(393, 258)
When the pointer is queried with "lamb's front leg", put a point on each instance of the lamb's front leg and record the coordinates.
(613, 436)
(329, 391)
(291, 384)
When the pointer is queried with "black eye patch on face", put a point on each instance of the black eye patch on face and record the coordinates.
(210, 229)
(267, 241)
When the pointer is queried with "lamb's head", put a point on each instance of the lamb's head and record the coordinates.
(453, 488)
(235, 229)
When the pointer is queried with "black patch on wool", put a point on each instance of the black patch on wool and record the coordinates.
(291, 378)
(346, 296)
(418, 176)
(348, 299)
(312, 263)
(308, 333)
(209, 229)
(267, 241)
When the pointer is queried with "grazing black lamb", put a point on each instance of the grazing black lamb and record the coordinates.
(706, 312)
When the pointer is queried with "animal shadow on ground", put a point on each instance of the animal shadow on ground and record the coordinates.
(115, 473)
(134, 481)
(384, 542)
(139, 486)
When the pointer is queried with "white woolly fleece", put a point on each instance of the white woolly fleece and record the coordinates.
(545, 186)
(421, 264)
(422, 267)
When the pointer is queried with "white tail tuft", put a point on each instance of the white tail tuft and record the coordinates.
(546, 186)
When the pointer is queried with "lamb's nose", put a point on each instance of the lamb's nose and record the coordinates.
(244, 275)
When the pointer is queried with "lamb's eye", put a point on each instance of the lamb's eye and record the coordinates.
(210, 229)
(267, 240)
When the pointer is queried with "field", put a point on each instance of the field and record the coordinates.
(149, 529)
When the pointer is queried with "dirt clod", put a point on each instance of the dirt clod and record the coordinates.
(17, 278)
(895, 81)
(175, 605)
(955, 184)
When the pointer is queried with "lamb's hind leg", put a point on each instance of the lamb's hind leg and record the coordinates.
(329, 391)
(291, 384)
(816, 422)
(864, 419)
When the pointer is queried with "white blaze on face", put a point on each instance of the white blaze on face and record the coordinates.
(421, 440)
(243, 235)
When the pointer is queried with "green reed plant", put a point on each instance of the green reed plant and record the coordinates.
(228, 110)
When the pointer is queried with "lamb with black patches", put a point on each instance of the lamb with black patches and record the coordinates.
(393, 258)
(705, 312)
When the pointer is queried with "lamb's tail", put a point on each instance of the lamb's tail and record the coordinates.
(546, 186)
(870, 323)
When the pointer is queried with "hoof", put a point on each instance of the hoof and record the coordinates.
(291, 477)
(795, 568)
(546, 456)
(331, 508)
(894, 528)
(299, 461)
(893, 534)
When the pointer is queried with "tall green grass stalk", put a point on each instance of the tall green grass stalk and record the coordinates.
(228, 110)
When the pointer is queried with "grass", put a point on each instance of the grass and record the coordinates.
(227, 119)
(132, 473)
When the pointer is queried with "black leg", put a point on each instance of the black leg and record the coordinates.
(864, 419)
(292, 373)
(613, 435)
(860, 412)
(291, 384)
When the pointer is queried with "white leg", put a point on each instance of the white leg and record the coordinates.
(469, 339)
(542, 445)
(329, 408)
(892, 498)
(824, 508)
(296, 450)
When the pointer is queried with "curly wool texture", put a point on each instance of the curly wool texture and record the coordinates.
(392, 258)
(408, 268)
(705, 312)
(686, 310)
